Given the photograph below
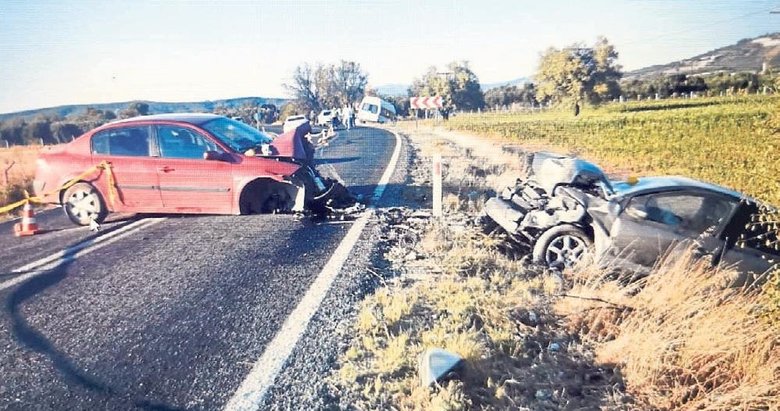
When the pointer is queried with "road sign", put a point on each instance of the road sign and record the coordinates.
(425, 102)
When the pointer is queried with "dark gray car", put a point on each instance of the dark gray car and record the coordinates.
(567, 209)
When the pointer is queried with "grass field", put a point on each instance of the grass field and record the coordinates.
(728, 141)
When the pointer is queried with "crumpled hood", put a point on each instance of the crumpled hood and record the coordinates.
(549, 170)
(290, 144)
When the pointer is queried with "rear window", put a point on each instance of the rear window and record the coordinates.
(125, 141)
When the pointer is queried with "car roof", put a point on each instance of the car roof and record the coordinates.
(671, 183)
(192, 118)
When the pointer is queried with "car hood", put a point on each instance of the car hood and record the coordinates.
(290, 144)
(549, 170)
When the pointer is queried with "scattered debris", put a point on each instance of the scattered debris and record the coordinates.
(437, 364)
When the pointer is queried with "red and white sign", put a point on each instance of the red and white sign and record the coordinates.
(425, 102)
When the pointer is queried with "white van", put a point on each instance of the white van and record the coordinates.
(375, 110)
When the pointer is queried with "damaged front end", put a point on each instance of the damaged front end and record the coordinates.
(558, 190)
(305, 190)
(318, 194)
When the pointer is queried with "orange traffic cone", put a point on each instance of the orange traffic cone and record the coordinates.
(28, 226)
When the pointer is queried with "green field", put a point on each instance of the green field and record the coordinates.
(731, 141)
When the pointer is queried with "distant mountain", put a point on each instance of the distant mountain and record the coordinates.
(155, 107)
(395, 90)
(392, 90)
(745, 55)
(516, 82)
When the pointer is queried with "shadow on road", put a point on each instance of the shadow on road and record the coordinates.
(34, 340)
(320, 161)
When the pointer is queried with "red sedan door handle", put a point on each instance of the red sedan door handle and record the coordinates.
(166, 169)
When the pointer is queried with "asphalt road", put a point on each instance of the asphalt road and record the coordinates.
(173, 312)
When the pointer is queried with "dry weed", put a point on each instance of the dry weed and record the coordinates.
(684, 340)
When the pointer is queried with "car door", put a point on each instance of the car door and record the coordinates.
(128, 150)
(188, 182)
(650, 224)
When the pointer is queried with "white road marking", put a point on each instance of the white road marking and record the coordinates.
(254, 388)
(71, 253)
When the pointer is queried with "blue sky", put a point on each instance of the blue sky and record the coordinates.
(65, 52)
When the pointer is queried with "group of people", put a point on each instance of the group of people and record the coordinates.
(347, 116)
(341, 116)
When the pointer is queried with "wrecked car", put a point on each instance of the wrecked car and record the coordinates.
(567, 210)
(184, 163)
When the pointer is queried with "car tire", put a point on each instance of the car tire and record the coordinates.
(562, 246)
(83, 204)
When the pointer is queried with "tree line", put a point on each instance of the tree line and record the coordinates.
(573, 75)
(568, 76)
(54, 129)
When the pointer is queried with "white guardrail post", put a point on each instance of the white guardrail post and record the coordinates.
(437, 185)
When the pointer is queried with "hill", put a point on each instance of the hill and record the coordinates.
(516, 82)
(154, 107)
(392, 90)
(399, 90)
(746, 55)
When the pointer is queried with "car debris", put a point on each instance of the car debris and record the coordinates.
(566, 211)
(437, 365)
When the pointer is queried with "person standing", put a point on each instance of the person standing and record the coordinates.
(346, 113)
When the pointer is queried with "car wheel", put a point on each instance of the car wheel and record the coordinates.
(83, 204)
(562, 246)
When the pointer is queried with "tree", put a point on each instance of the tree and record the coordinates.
(508, 95)
(321, 86)
(603, 84)
(350, 82)
(458, 86)
(134, 109)
(577, 72)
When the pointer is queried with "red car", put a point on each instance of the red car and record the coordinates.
(182, 163)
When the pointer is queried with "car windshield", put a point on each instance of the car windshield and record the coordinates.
(238, 136)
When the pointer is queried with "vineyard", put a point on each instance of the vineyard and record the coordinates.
(731, 141)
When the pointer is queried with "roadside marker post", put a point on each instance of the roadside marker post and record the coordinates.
(437, 192)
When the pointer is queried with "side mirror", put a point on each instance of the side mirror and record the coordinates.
(213, 155)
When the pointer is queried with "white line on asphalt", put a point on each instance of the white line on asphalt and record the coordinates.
(252, 391)
(71, 253)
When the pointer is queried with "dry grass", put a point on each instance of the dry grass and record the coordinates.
(473, 306)
(682, 338)
(678, 339)
(474, 313)
(21, 161)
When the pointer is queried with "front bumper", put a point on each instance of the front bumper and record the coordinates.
(504, 214)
